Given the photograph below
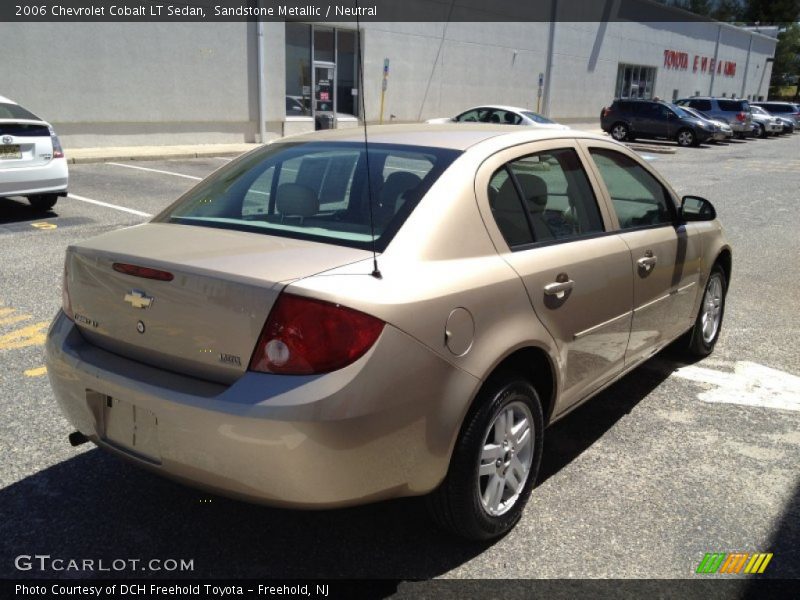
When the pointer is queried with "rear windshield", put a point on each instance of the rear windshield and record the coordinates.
(733, 105)
(316, 191)
(15, 111)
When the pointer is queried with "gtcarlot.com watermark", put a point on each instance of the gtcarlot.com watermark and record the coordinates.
(46, 563)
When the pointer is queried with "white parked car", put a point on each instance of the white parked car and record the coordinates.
(501, 115)
(32, 162)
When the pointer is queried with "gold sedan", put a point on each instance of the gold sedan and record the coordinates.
(327, 322)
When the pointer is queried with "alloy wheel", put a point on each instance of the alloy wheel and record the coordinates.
(506, 457)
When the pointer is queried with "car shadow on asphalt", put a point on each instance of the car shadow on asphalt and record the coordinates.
(574, 434)
(98, 506)
(95, 505)
(19, 211)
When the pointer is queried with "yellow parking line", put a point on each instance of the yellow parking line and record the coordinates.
(32, 335)
(14, 319)
(37, 372)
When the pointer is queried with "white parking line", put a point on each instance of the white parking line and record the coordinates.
(107, 205)
(749, 384)
(156, 171)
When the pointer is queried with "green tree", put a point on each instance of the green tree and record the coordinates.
(786, 67)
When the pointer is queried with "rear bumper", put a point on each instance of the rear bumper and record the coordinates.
(382, 427)
(52, 178)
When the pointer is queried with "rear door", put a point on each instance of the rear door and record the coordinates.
(546, 222)
(652, 119)
(665, 255)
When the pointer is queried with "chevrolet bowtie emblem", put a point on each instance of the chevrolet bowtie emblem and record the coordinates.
(138, 299)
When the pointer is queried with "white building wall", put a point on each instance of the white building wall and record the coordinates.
(106, 84)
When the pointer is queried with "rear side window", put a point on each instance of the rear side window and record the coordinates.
(624, 106)
(733, 105)
(316, 191)
(474, 116)
(15, 111)
(544, 197)
(638, 198)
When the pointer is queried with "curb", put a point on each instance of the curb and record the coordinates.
(653, 149)
(77, 160)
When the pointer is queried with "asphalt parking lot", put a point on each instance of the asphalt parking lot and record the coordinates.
(670, 463)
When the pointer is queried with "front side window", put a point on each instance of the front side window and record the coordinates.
(316, 191)
(700, 104)
(544, 197)
(638, 198)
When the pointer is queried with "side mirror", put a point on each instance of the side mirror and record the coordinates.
(695, 208)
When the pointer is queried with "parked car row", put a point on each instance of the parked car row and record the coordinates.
(697, 120)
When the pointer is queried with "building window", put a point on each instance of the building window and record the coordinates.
(298, 70)
(321, 71)
(635, 81)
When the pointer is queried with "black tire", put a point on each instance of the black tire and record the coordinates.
(43, 202)
(761, 132)
(620, 132)
(458, 504)
(686, 137)
(700, 343)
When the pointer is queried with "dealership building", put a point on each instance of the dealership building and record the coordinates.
(131, 83)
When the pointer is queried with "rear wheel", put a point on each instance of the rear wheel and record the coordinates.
(43, 202)
(494, 463)
(620, 131)
(703, 337)
(686, 137)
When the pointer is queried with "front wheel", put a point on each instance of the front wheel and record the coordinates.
(703, 337)
(761, 131)
(43, 202)
(494, 464)
(686, 137)
(620, 132)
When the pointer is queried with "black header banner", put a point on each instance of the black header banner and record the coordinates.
(18, 11)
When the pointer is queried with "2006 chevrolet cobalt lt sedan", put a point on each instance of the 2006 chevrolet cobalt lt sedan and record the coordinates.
(247, 340)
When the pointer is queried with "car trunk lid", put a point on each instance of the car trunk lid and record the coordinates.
(206, 320)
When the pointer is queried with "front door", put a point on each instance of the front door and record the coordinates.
(665, 254)
(324, 105)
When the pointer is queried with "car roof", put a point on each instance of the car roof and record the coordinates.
(498, 107)
(6, 100)
(456, 136)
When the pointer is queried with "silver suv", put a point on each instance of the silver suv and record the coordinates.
(734, 111)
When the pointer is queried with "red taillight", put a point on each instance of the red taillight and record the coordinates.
(304, 336)
(741, 116)
(58, 151)
(66, 303)
(606, 111)
(145, 272)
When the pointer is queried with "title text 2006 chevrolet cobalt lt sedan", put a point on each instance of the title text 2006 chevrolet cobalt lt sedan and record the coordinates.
(244, 340)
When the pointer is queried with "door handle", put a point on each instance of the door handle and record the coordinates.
(647, 262)
(559, 288)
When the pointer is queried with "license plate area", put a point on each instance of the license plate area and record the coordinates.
(128, 427)
(10, 151)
